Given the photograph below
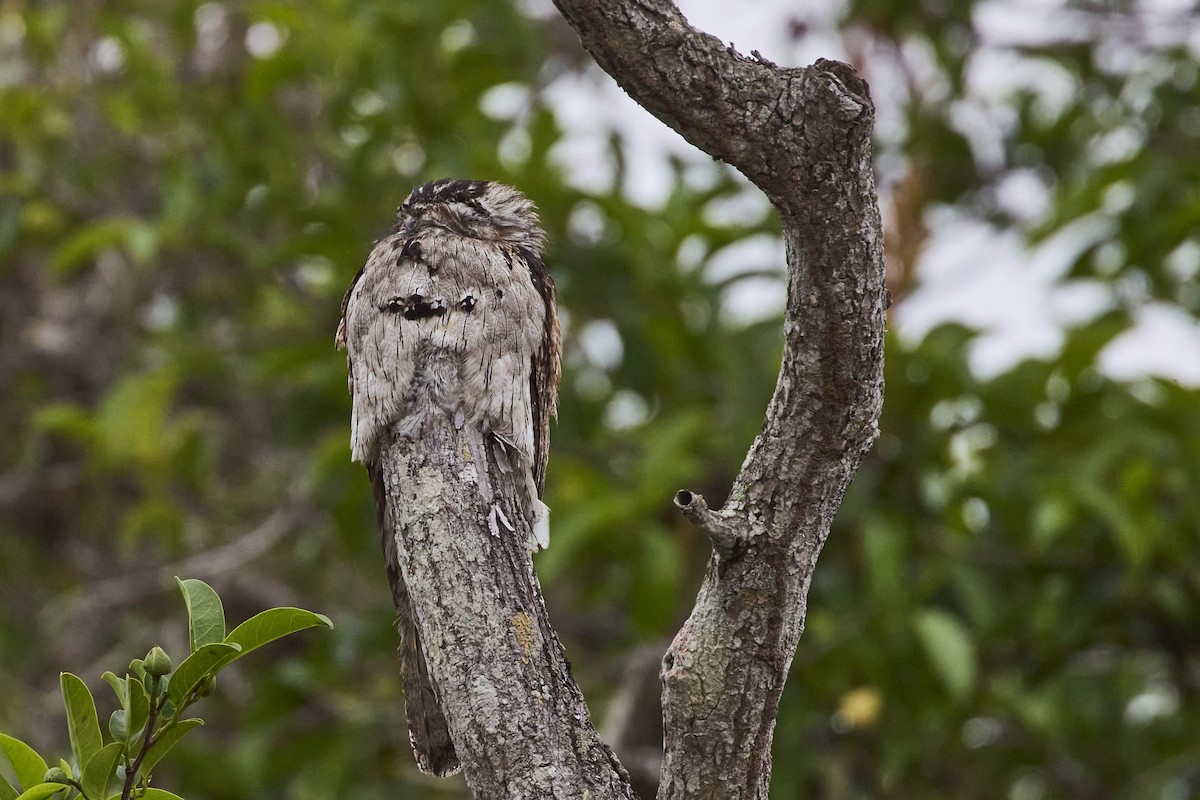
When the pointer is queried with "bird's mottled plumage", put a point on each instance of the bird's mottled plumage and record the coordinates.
(454, 313)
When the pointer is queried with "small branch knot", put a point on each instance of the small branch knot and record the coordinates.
(719, 532)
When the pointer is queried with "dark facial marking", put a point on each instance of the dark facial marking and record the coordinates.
(414, 307)
(468, 304)
(412, 250)
(420, 308)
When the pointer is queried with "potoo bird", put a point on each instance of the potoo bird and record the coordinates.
(453, 313)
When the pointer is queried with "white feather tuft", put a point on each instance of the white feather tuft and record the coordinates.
(541, 525)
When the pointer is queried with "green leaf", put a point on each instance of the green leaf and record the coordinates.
(100, 771)
(42, 791)
(138, 238)
(950, 648)
(131, 422)
(7, 792)
(168, 739)
(119, 686)
(26, 763)
(160, 794)
(139, 710)
(275, 623)
(116, 725)
(206, 616)
(82, 722)
(207, 660)
(65, 419)
(88, 240)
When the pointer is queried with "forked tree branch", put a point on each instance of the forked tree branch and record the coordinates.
(518, 722)
(803, 137)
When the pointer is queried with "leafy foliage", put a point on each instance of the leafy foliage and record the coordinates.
(152, 697)
(1007, 605)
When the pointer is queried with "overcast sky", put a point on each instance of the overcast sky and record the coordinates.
(970, 270)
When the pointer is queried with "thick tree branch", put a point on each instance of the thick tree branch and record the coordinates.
(517, 719)
(803, 136)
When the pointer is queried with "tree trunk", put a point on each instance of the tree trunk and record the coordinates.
(517, 719)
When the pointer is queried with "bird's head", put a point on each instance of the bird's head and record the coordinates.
(478, 209)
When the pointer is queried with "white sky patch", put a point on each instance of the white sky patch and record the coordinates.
(764, 25)
(1164, 342)
(755, 253)
(601, 344)
(1032, 23)
(760, 296)
(691, 253)
(514, 148)
(1023, 194)
(161, 313)
(983, 277)
(986, 115)
(263, 39)
(457, 36)
(1184, 261)
(591, 108)
(627, 409)
(751, 300)
(1117, 146)
(505, 101)
(587, 223)
(582, 153)
(211, 20)
(408, 158)
(923, 69)
(108, 55)
(537, 9)
(368, 103)
(743, 209)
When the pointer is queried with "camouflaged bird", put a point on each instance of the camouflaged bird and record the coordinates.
(453, 313)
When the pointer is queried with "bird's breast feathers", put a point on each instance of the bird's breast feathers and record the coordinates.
(446, 317)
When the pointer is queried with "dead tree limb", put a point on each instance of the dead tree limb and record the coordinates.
(803, 136)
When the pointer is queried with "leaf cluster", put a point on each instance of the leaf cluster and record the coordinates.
(153, 697)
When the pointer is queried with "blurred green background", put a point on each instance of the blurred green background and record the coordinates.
(1009, 604)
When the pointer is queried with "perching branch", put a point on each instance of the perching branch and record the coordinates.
(518, 721)
(803, 137)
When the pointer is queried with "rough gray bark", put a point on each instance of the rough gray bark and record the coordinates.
(517, 719)
(803, 137)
